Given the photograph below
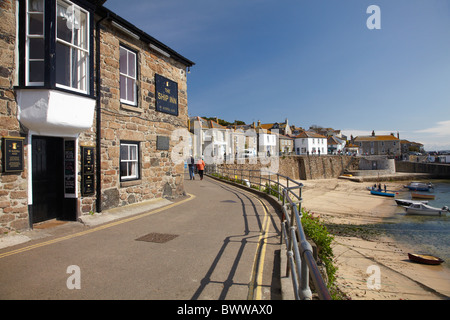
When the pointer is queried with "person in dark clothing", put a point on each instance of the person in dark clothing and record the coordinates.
(191, 168)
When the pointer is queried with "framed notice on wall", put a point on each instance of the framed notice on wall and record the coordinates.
(87, 171)
(166, 92)
(13, 154)
(70, 190)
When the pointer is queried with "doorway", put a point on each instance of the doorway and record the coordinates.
(48, 181)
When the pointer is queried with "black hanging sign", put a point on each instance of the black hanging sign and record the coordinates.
(166, 95)
(13, 154)
(87, 168)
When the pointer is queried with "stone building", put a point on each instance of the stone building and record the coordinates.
(388, 145)
(67, 69)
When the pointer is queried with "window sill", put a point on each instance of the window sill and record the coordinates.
(131, 108)
(130, 183)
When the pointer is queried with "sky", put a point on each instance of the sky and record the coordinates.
(312, 62)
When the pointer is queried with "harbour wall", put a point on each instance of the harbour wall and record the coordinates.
(437, 170)
(299, 167)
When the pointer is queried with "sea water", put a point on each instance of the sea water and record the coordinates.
(423, 234)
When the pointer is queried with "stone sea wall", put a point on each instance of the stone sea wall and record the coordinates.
(300, 167)
(438, 170)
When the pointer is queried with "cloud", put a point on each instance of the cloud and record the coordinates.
(441, 129)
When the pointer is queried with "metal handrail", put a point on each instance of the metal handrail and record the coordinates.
(299, 251)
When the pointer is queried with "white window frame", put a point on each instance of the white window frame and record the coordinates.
(82, 73)
(129, 145)
(132, 102)
(27, 43)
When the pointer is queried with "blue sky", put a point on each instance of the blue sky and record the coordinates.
(313, 62)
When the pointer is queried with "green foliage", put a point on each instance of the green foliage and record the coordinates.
(273, 190)
(224, 122)
(317, 231)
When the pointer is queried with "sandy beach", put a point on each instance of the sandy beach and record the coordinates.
(359, 260)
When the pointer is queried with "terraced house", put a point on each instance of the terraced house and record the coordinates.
(88, 105)
(388, 145)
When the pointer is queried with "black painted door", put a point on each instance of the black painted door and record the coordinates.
(47, 178)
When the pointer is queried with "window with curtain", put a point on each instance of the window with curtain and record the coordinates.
(129, 161)
(127, 76)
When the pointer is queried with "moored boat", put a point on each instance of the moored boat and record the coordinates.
(424, 209)
(405, 202)
(419, 186)
(425, 258)
(416, 195)
(381, 193)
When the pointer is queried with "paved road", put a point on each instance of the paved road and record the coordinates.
(226, 247)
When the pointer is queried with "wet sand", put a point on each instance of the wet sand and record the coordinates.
(359, 260)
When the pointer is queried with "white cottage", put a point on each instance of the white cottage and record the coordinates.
(309, 142)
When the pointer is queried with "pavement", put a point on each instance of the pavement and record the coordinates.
(218, 243)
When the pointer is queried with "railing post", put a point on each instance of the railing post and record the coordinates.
(260, 180)
(304, 278)
(278, 185)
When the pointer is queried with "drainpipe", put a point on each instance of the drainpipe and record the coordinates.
(99, 116)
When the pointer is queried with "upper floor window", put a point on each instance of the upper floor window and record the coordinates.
(72, 46)
(35, 42)
(127, 76)
(56, 45)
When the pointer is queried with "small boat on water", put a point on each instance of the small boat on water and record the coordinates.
(424, 209)
(381, 193)
(405, 202)
(419, 186)
(416, 195)
(425, 258)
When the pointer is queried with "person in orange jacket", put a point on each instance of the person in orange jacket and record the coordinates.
(200, 167)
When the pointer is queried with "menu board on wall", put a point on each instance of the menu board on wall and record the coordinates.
(69, 169)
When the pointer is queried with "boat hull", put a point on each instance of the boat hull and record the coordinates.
(380, 193)
(422, 196)
(425, 259)
(421, 212)
(404, 202)
(418, 188)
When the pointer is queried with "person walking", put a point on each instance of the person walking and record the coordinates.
(191, 168)
(201, 166)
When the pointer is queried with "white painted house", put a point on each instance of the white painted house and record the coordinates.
(335, 145)
(210, 140)
(267, 144)
(312, 143)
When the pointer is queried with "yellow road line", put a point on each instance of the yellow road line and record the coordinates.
(258, 262)
(262, 246)
(102, 227)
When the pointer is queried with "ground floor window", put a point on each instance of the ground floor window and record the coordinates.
(129, 161)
